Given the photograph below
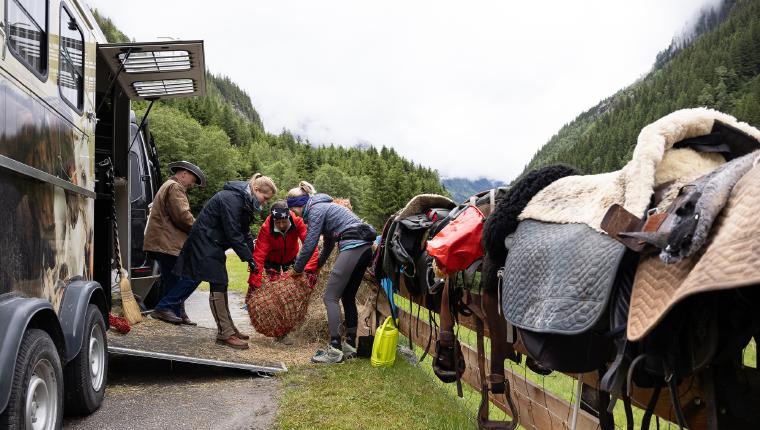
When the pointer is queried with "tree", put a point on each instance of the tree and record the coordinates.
(330, 180)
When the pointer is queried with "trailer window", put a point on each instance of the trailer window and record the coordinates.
(27, 38)
(135, 182)
(71, 70)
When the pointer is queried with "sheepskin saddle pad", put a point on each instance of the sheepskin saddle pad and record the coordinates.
(681, 146)
(728, 260)
(421, 203)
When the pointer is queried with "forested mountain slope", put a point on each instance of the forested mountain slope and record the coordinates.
(717, 66)
(462, 188)
(223, 133)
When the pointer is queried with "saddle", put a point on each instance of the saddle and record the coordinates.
(404, 240)
(456, 249)
(566, 283)
(557, 284)
(693, 316)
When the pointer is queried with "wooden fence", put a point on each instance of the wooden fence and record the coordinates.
(537, 407)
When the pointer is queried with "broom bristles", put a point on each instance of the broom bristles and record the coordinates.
(128, 303)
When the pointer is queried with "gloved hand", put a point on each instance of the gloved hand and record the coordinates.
(252, 266)
(254, 280)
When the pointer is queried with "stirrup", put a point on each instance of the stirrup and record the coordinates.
(497, 384)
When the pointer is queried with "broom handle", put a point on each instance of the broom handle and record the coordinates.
(115, 224)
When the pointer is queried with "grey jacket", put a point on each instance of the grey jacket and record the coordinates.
(323, 217)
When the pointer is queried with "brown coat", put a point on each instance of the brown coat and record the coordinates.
(170, 219)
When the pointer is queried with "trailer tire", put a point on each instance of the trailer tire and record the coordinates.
(86, 374)
(37, 388)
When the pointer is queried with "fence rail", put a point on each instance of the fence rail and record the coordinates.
(537, 407)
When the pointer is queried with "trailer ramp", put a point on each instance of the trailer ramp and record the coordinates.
(188, 344)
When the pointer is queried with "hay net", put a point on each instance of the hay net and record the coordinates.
(279, 304)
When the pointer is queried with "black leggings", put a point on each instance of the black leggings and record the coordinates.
(345, 278)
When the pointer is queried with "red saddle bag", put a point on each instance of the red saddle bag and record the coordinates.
(457, 245)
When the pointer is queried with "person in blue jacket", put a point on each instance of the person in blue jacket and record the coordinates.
(336, 224)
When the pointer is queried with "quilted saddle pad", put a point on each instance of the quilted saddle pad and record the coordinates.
(558, 277)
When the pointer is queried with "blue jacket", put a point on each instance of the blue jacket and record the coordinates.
(325, 218)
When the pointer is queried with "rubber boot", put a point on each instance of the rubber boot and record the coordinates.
(225, 329)
(237, 332)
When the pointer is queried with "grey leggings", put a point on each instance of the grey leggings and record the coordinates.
(345, 278)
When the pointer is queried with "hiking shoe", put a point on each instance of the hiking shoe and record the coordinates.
(327, 356)
(285, 340)
(348, 351)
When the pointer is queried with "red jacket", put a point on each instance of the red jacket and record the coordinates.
(281, 249)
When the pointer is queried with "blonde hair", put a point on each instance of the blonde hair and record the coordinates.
(260, 181)
(302, 189)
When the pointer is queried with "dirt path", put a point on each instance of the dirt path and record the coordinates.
(145, 393)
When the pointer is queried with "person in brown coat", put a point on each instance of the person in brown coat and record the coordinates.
(169, 223)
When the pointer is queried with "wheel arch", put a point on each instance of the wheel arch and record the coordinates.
(73, 313)
(17, 314)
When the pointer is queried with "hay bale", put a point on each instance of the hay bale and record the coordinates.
(314, 327)
(344, 202)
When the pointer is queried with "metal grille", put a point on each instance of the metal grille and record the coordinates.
(164, 87)
(156, 61)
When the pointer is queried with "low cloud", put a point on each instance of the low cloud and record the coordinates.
(471, 89)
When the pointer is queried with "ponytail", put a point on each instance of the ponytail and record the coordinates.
(303, 189)
(263, 182)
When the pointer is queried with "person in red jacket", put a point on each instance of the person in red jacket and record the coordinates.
(277, 246)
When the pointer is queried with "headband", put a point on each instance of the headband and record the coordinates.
(297, 202)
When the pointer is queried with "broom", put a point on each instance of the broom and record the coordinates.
(128, 303)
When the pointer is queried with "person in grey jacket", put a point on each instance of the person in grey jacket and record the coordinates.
(336, 224)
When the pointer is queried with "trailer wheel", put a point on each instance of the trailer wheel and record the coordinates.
(36, 400)
(86, 373)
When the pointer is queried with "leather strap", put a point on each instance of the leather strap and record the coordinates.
(650, 407)
(446, 336)
(495, 383)
(618, 220)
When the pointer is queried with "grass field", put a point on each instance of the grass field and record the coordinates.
(237, 271)
(356, 395)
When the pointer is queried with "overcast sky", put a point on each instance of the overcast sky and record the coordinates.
(471, 88)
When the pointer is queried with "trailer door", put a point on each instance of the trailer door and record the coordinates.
(150, 72)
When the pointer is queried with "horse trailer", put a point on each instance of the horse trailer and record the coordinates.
(77, 172)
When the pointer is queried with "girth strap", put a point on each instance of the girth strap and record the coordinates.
(495, 383)
(449, 363)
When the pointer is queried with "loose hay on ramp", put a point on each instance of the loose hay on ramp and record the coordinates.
(158, 336)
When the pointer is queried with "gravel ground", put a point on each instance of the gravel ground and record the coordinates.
(153, 394)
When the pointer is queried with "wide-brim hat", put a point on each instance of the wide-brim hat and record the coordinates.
(729, 260)
(190, 167)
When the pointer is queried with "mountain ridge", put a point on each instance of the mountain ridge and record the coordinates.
(717, 67)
